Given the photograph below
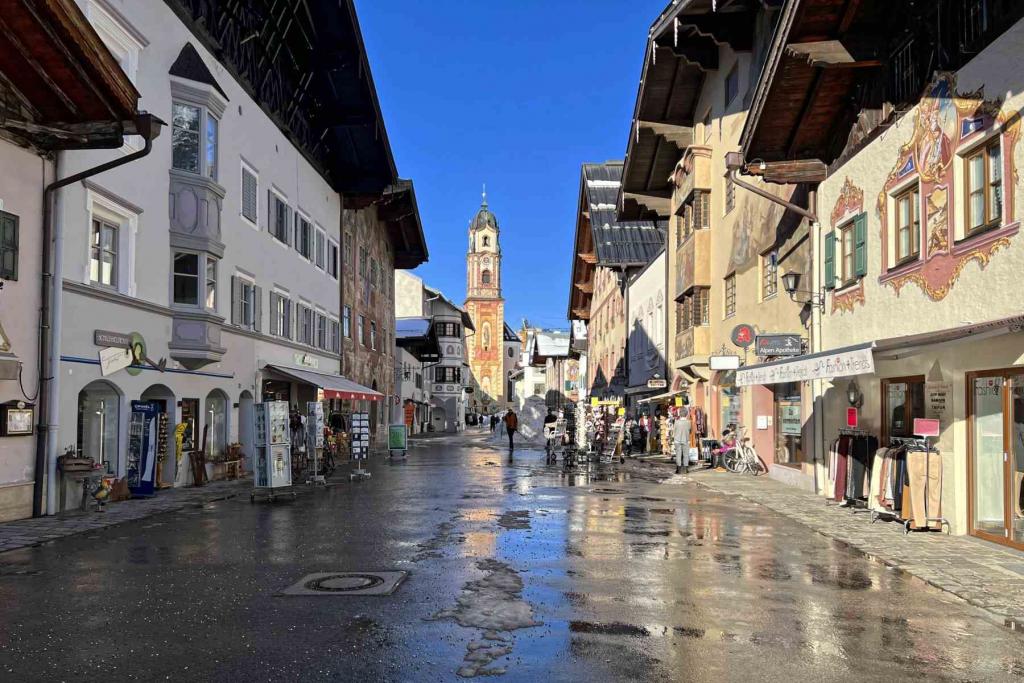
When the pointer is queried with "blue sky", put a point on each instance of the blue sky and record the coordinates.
(515, 94)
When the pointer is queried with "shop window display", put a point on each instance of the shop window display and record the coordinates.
(98, 412)
(216, 423)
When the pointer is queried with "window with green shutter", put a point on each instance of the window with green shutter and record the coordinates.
(860, 237)
(830, 260)
(8, 246)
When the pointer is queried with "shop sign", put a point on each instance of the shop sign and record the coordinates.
(856, 361)
(791, 421)
(925, 427)
(657, 383)
(938, 401)
(306, 360)
(742, 335)
(778, 345)
(113, 359)
(105, 338)
(724, 362)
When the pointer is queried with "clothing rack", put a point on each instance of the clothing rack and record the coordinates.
(923, 443)
(854, 504)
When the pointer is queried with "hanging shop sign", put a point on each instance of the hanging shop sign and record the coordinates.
(856, 360)
(113, 359)
(657, 383)
(105, 338)
(743, 335)
(778, 345)
(724, 362)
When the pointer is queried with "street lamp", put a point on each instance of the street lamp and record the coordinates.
(791, 283)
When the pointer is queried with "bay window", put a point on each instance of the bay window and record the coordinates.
(194, 280)
(194, 132)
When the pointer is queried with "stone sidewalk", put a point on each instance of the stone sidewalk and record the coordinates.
(29, 532)
(984, 574)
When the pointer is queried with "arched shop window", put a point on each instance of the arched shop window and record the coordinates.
(216, 422)
(99, 406)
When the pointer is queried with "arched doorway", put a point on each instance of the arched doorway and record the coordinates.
(99, 428)
(216, 423)
(247, 427)
(163, 397)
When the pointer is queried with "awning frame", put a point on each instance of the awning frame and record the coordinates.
(334, 386)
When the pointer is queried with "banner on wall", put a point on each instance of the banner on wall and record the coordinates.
(846, 362)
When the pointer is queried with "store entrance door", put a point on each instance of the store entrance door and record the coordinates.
(997, 456)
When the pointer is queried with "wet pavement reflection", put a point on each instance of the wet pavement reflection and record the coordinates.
(516, 570)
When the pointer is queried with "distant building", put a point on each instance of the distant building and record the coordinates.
(486, 308)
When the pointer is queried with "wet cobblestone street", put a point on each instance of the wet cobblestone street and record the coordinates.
(516, 570)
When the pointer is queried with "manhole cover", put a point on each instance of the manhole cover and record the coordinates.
(347, 583)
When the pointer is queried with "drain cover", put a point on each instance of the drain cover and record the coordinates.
(347, 583)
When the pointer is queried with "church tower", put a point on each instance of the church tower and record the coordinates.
(487, 310)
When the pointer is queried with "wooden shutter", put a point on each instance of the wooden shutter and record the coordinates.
(270, 211)
(236, 301)
(830, 260)
(257, 309)
(860, 242)
(8, 246)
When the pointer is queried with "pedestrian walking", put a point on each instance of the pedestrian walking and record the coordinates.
(681, 442)
(494, 421)
(511, 425)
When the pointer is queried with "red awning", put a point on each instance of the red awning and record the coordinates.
(334, 386)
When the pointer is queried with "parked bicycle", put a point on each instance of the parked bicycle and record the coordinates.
(741, 457)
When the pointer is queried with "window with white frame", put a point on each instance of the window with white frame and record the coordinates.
(983, 187)
(211, 283)
(194, 133)
(304, 324)
(281, 315)
(250, 194)
(278, 216)
(303, 236)
(246, 303)
(321, 249)
(194, 280)
(111, 226)
(908, 225)
(769, 275)
(186, 279)
(103, 257)
(321, 331)
(332, 259)
(335, 336)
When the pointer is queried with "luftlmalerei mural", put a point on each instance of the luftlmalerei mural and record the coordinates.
(946, 123)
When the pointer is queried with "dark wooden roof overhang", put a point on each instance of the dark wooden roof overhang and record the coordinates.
(305, 63)
(683, 46)
(399, 211)
(806, 101)
(584, 260)
(60, 88)
(424, 348)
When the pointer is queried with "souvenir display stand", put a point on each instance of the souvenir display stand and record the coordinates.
(315, 440)
(273, 472)
(360, 435)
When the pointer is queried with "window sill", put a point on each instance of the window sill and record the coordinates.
(847, 286)
(984, 236)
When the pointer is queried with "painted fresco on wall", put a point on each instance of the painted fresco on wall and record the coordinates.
(946, 121)
(761, 225)
(849, 204)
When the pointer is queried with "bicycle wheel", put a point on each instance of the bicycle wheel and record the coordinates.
(733, 461)
(753, 463)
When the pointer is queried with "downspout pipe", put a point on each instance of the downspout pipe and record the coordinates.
(50, 319)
